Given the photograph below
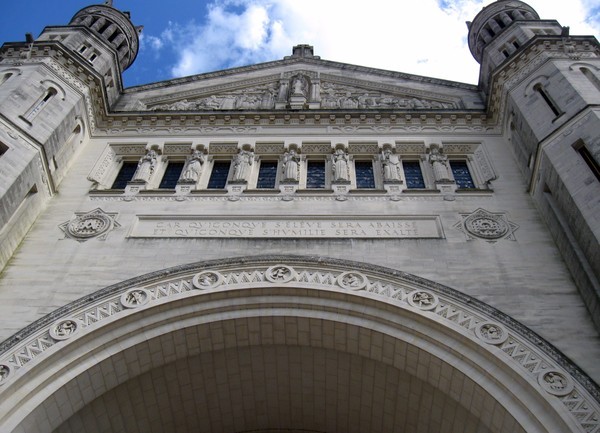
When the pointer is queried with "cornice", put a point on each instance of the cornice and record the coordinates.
(300, 60)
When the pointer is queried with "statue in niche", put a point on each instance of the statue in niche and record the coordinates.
(391, 166)
(439, 161)
(340, 166)
(193, 167)
(241, 165)
(298, 87)
(146, 166)
(291, 161)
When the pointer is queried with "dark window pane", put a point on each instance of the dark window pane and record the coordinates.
(171, 176)
(364, 174)
(218, 177)
(590, 161)
(125, 175)
(267, 174)
(461, 174)
(413, 175)
(315, 174)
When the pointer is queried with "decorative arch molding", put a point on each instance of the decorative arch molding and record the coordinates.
(524, 377)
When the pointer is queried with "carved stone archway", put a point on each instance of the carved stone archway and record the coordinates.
(287, 343)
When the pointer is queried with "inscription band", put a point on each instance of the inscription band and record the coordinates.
(308, 227)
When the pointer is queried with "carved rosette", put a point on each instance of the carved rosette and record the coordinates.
(87, 225)
(352, 281)
(207, 280)
(491, 333)
(488, 226)
(64, 329)
(555, 382)
(280, 274)
(4, 373)
(135, 298)
(423, 300)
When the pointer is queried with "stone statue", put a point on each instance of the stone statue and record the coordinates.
(193, 167)
(291, 160)
(391, 166)
(298, 87)
(340, 166)
(439, 161)
(241, 165)
(146, 166)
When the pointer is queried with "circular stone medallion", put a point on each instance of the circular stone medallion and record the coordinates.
(88, 226)
(135, 298)
(486, 226)
(555, 383)
(352, 280)
(207, 280)
(491, 333)
(4, 373)
(423, 300)
(280, 274)
(64, 329)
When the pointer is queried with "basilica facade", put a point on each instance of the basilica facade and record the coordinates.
(300, 245)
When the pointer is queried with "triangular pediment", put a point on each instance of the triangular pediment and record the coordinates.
(296, 85)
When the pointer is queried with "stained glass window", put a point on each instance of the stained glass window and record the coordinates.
(413, 174)
(365, 177)
(462, 176)
(315, 174)
(267, 174)
(218, 176)
(125, 175)
(171, 175)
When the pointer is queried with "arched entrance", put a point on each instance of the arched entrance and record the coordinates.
(288, 344)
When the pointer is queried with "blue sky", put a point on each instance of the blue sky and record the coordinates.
(185, 37)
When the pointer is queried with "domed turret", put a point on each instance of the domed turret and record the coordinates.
(493, 19)
(114, 27)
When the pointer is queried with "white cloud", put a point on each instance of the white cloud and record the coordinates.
(427, 38)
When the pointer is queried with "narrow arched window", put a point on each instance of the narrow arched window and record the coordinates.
(591, 77)
(542, 92)
(40, 103)
(5, 77)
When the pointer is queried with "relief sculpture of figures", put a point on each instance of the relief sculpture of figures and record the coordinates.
(146, 166)
(241, 165)
(439, 161)
(291, 160)
(340, 166)
(194, 167)
(391, 166)
(298, 87)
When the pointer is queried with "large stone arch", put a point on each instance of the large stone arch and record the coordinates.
(287, 343)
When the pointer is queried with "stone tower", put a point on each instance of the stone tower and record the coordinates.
(543, 83)
(51, 82)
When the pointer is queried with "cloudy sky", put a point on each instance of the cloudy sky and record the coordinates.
(186, 37)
